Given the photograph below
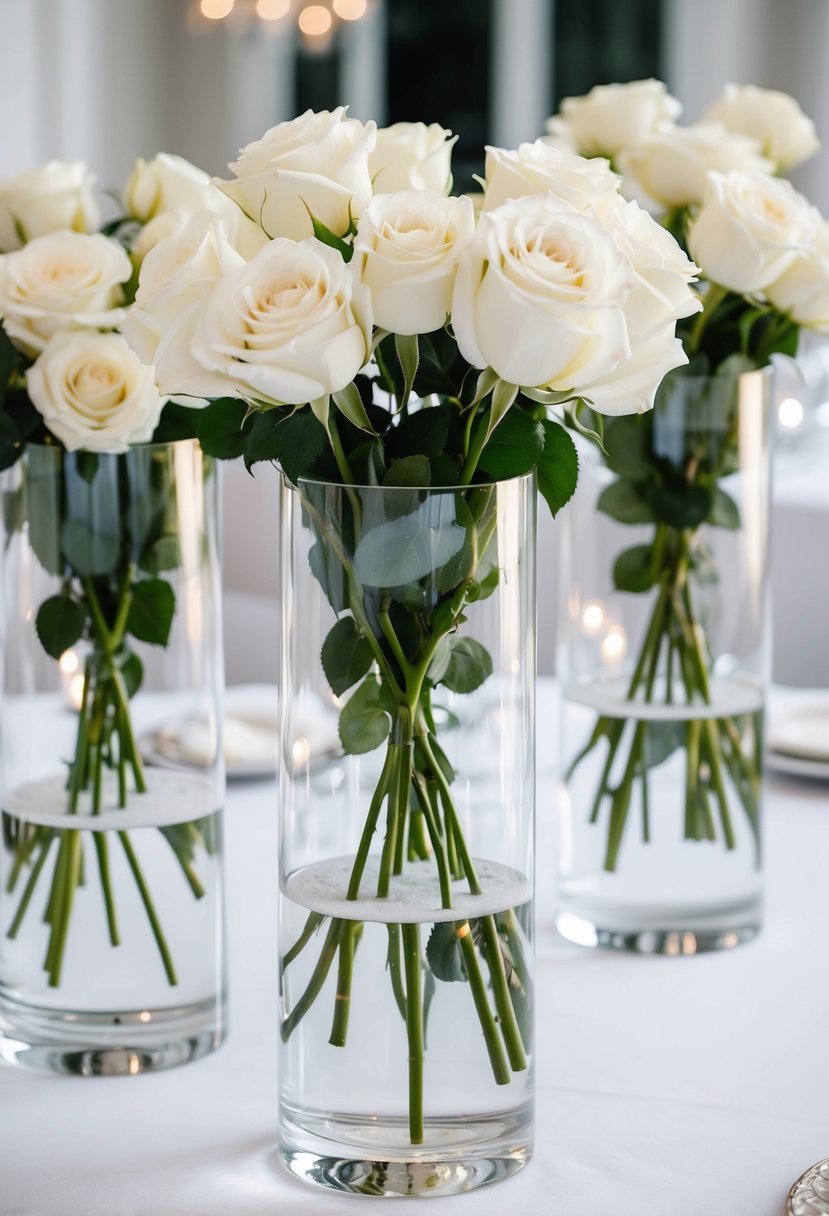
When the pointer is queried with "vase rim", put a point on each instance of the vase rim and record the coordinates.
(451, 489)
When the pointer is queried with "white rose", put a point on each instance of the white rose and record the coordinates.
(158, 229)
(55, 196)
(785, 134)
(94, 393)
(661, 296)
(412, 156)
(290, 326)
(614, 117)
(802, 292)
(672, 165)
(750, 229)
(176, 276)
(406, 253)
(66, 280)
(164, 193)
(539, 167)
(317, 163)
(540, 294)
(163, 184)
(558, 135)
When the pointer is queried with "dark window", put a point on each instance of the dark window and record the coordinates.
(604, 41)
(438, 71)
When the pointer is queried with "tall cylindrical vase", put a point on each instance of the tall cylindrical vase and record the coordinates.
(111, 772)
(406, 859)
(664, 671)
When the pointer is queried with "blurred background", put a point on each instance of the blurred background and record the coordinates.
(109, 80)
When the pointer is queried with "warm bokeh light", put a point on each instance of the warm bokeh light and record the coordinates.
(615, 644)
(272, 10)
(791, 413)
(592, 618)
(315, 20)
(350, 10)
(74, 690)
(216, 9)
(69, 662)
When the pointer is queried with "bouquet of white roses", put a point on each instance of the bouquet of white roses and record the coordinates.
(763, 254)
(382, 336)
(79, 417)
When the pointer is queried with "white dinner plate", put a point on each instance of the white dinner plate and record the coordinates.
(796, 766)
(803, 732)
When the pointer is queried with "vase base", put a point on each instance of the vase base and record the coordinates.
(669, 940)
(487, 1149)
(94, 1044)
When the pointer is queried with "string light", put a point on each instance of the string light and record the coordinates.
(272, 10)
(790, 413)
(350, 10)
(216, 10)
(315, 20)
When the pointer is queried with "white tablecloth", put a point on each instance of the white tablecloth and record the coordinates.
(666, 1087)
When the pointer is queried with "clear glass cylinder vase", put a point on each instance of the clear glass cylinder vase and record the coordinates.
(664, 666)
(406, 858)
(111, 770)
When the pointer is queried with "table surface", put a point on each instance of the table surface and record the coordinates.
(681, 1086)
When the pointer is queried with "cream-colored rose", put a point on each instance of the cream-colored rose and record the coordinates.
(317, 163)
(57, 195)
(661, 296)
(539, 296)
(614, 117)
(671, 165)
(558, 135)
(406, 254)
(65, 280)
(175, 278)
(286, 328)
(94, 393)
(539, 167)
(802, 292)
(750, 230)
(412, 156)
(158, 229)
(163, 184)
(785, 134)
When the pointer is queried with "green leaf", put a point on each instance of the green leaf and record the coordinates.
(132, 669)
(220, 428)
(327, 570)
(469, 666)
(621, 501)
(514, 447)
(86, 550)
(423, 433)
(402, 550)
(681, 506)
(8, 361)
(329, 238)
(409, 471)
(60, 623)
(295, 442)
(11, 448)
(365, 720)
(408, 356)
(163, 554)
(86, 464)
(558, 466)
(724, 511)
(661, 741)
(43, 507)
(350, 404)
(627, 445)
(346, 656)
(444, 953)
(177, 422)
(483, 590)
(633, 571)
(151, 611)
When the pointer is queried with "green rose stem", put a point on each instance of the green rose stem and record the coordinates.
(105, 739)
(713, 745)
(414, 787)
